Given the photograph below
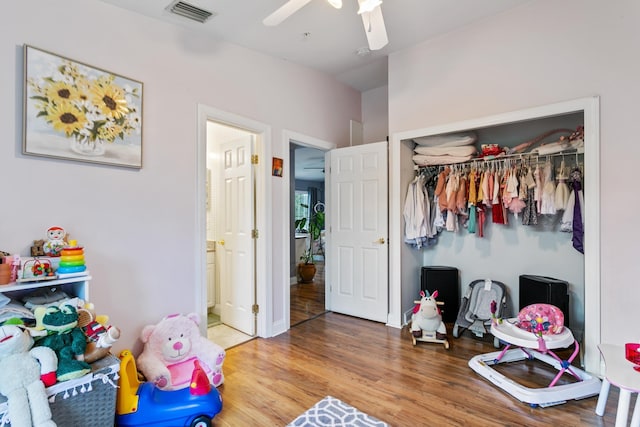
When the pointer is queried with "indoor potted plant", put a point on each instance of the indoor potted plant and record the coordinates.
(307, 268)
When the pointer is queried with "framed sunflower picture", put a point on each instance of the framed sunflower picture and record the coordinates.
(74, 111)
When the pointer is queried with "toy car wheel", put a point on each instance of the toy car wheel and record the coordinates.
(496, 342)
(456, 334)
(201, 421)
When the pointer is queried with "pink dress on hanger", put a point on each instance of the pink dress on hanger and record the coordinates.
(548, 203)
(516, 204)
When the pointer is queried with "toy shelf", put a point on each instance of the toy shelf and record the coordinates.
(77, 286)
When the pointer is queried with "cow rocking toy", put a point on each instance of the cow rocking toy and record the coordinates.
(426, 321)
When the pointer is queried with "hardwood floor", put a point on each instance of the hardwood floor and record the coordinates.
(307, 299)
(269, 382)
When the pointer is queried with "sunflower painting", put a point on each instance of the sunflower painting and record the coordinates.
(77, 112)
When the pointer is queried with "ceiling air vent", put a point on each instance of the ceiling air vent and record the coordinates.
(189, 11)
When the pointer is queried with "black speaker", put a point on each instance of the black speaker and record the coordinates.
(445, 280)
(547, 290)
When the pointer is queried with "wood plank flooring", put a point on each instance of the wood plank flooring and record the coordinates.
(308, 299)
(269, 382)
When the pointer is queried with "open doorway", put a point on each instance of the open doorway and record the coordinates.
(230, 219)
(308, 247)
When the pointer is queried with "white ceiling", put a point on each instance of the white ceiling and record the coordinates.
(334, 36)
(309, 164)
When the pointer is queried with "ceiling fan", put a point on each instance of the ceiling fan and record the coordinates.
(315, 168)
(369, 10)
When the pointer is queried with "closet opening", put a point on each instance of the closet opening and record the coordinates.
(513, 246)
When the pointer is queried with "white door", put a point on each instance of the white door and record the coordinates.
(235, 242)
(358, 250)
(211, 280)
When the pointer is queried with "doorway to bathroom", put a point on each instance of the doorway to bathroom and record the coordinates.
(230, 219)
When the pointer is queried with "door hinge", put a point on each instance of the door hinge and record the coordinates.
(255, 234)
(254, 159)
(255, 308)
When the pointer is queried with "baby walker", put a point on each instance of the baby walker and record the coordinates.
(537, 331)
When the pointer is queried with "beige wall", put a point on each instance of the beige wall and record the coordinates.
(138, 226)
(541, 53)
(375, 115)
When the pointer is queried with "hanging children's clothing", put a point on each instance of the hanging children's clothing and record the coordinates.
(461, 196)
(562, 190)
(414, 212)
(441, 186)
(497, 213)
(573, 217)
(473, 199)
(548, 204)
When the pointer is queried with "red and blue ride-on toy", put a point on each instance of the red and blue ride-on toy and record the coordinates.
(144, 404)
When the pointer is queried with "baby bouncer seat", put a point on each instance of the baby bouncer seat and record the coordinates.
(535, 334)
(475, 312)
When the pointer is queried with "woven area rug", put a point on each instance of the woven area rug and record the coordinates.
(335, 413)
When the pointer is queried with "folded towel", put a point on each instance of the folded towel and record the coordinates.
(467, 150)
(451, 140)
(15, 310)
(423, 160)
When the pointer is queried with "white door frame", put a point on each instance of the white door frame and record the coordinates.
(263, 215)
(307, 141)
(399, 154)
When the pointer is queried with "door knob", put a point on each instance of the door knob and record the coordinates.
(221, 242)
(380, 240)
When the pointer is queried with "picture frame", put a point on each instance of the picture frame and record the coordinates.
(74, 111)
(277, 167)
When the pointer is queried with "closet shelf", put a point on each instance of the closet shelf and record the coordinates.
(500, 158)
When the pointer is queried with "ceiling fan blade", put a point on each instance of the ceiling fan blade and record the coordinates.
(285, 11)
(374, 28)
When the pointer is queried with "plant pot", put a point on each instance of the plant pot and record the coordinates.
(306, 272)
(5, 274)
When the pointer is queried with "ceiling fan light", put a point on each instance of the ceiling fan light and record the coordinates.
(367, 6)
(336, 3)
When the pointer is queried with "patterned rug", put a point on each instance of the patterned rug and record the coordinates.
(332, 412)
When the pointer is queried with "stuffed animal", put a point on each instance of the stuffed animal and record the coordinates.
(20, 378)
(100, 335)
(426, 317)
(64, 337)
(171, 347)
(38, 248)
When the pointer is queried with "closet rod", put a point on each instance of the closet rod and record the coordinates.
(521, 156)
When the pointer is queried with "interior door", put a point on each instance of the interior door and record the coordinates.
(358, 249)
(235, 242)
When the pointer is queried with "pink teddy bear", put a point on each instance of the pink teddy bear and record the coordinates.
(171, 347)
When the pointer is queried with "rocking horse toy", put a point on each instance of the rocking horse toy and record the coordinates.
(426, 321)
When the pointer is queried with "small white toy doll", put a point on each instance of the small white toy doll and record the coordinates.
(55, 241)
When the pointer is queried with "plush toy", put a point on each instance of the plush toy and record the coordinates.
(171, 347)
(38, 248)
(100, 335)
(426, 317)
(64, 337)
(20, 378)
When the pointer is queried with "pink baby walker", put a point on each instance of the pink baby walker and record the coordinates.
(534, 334)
